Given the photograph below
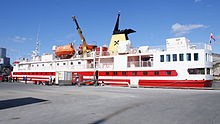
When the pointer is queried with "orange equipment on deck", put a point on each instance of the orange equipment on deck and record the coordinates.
(65, 50)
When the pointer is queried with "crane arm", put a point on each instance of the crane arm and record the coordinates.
(80, 33)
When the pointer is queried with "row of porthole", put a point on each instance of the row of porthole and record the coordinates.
(58, 64)
(143, 73)
(33, 73)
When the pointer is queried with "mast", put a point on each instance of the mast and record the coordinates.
(37, 47)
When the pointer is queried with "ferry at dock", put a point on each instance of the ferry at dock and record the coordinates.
(179, 63)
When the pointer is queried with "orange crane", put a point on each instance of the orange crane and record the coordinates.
(84, 47)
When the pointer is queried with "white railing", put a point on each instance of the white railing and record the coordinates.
(201, 46)
(105, 65)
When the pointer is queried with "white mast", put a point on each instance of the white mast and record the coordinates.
(37, 48)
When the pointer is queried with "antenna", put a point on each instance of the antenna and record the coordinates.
(37, 48)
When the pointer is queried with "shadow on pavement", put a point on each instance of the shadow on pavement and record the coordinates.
(114, 114)
(5, 104)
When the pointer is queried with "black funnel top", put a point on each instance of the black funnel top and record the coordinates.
(125, 31)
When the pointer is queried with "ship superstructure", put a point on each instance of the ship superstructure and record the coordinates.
(178, 64)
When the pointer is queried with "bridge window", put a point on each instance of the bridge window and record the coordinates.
(161, 58)
(188, 56)
(196, 56)
(181, 57)
(168, 57)
(206, 56)
(174, 57)
(196, 71)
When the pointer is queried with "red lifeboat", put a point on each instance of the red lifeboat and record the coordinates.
(65, 51)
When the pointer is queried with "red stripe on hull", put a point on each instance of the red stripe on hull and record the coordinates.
(176, 83)
(145, 73)
(114, 80)
(118, 80)
(118, 84)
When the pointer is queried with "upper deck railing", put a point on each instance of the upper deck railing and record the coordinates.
(205, 46)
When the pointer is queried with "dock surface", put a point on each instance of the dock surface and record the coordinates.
(37, 104)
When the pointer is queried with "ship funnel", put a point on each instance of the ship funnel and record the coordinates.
(118, 36)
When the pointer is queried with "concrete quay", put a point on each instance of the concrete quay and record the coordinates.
(37, 104)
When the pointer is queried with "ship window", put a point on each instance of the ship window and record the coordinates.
(42, 64)
(188, 56)
(124, 73)
(181, 57)
(206, 56)
(196, 71)
(64, 63)
(196, 56)
(50, 64)
(58, 64)
(208, 71)
(115, 73)
(106, 73)
(71, 63)
(161, 58)
(145, 73)
(156, 73)
(168, 57)
(37, 65)
(174, 57)
(32, 65)
(134, 73)
(168, 73)
(79, 62)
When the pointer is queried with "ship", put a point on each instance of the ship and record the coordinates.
(179, 63)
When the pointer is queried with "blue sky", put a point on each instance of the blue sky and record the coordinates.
(154, 21)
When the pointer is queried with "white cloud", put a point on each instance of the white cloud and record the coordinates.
(69, 36)
(179, 29)
(20, 39)
(197, 1)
